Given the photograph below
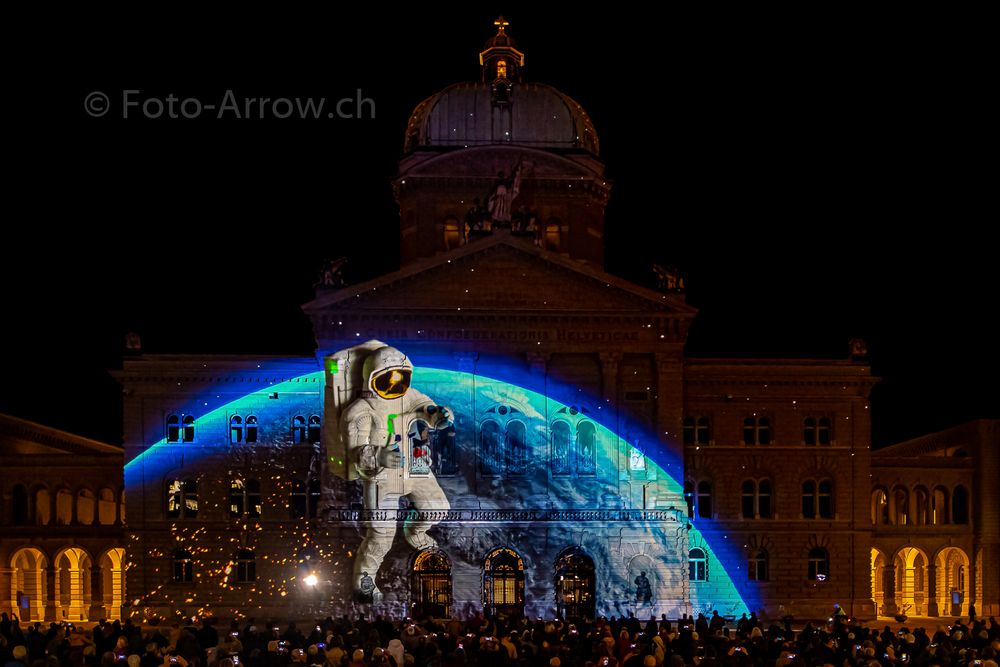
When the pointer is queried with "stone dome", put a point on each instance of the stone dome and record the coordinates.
(465, 115)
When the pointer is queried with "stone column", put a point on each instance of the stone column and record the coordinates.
(51, 595)
(96, 610)
(932, 592)
(889, 607)
(970, 581)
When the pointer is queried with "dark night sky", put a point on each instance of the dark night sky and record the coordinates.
(815, 176)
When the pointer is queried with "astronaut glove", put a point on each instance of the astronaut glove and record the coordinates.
(389, 458)
(438, 416)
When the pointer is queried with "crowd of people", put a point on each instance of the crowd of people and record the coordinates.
(485, 642)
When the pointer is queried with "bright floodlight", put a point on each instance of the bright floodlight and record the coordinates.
(311, 580)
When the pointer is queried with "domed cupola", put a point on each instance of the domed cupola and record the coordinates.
(501, 155)
(501, 62)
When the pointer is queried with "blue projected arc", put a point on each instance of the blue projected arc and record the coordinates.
(458, 390)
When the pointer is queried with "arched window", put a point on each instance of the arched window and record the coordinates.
(516, 449)
(575, 583)
(757, 431)
(757, 569)
(960, 505)
(756, 499)
(315, 428)
(825, 499)
(809, 431)
(182, 499)
(501, 69)
(431, 585)
(298, 429)
(900, 506)
(489, 447)
(236, 429)
(705, 499)
(64, 507)
(443, 440)
(921, 506)
(817, 499)
(697, 565)
(19, 505)
(251, 428)
(183, 568)
(586, 447)
(173, 428)
(819, 564)
(86, 507)
(816, 431)
(187, 433)
(503, 583)
(764, 499)
(688, 431)
(880, 507)
(939, 506)
(43, 507)
(305, 498)
(823, 431)
(697, 431)
(808, 499)
(749, 498)
(246, 566)
(106, 506)
(236, 498)
(244, 498)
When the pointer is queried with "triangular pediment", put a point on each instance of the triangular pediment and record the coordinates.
(501, 273)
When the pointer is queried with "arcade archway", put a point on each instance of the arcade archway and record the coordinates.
(575, 583)
(431, 585)
(503, 583)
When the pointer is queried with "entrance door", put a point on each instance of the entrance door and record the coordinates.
(574, 584)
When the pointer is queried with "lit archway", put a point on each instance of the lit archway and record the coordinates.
(911, 581)
(503, 583)
(112, 564)
(952, 581)
(575, 583)
(879, 561)
(28, 590)
(72, 577)
(431, 585)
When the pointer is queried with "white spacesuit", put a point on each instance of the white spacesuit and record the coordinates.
(385, 429)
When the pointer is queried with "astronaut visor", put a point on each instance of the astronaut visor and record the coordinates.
(392, 383)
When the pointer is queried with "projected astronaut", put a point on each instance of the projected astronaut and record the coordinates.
(387, 432)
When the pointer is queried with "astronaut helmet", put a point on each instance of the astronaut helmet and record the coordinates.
(388, 372)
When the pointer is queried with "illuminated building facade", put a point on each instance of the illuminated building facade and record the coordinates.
(61, 516)
(588, 467)
(935, 546)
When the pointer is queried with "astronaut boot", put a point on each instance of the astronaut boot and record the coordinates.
(419, 539)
